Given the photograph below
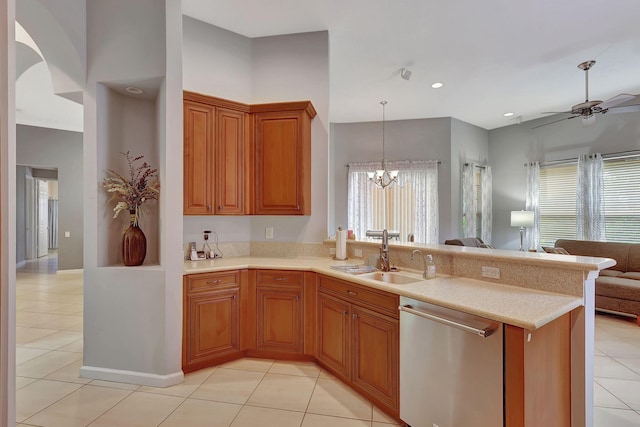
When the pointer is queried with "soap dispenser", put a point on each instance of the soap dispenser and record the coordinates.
(431, 268)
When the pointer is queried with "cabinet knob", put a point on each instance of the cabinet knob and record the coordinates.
(355, 316)
(209, 207)
(345, 313)
(219, 207)
(235, 296)
(297, 297)
(352, 292)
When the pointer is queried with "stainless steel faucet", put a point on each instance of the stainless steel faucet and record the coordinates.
(424, 261)
(384, 251)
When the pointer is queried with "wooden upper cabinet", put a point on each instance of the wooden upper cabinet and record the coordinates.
(283, 159)
(230, 162)
(244, 159)
(199, 121)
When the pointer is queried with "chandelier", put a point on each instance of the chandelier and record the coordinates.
(382, 178)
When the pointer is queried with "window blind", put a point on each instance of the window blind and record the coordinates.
(622, 201)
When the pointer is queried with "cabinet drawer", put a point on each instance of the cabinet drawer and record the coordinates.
(377, 300)
(280, 277)
(205, 281)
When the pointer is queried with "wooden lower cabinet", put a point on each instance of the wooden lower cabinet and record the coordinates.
(358, 344)
(211, 324)
(279, 318)
(334, 335)
(280, 306)
(376, 355)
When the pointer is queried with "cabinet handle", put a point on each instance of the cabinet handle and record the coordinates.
(352, 292)
(280, 278)
(213, 282)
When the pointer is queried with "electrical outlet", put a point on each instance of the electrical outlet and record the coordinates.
(491, 272)
(358, 252)
(268, 233)
(67, 234)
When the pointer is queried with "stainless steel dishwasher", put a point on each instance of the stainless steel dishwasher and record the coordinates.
(451, 367)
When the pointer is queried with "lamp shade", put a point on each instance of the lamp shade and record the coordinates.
(522, 218)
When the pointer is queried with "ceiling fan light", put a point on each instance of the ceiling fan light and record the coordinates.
(588, 120)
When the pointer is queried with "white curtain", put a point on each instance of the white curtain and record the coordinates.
(408, 207)
(486, 179)
(533, 203)
(469, 206)
(590, 217)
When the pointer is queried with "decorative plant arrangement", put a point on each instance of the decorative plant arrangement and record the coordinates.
(130, 194)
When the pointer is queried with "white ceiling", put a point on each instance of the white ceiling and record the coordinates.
(494, 56)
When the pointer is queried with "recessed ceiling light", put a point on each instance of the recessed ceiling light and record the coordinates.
(508, 114)
(134, 90)
(437, 85)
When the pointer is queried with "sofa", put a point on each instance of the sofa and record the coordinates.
(617, 287)
(468, 241)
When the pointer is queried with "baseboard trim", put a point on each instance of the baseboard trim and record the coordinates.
(131, 377)
(70, 271)
(21, 264)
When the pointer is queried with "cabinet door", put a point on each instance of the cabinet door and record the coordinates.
(376, 355)
(212, 326)
(199, 124)
(279, 178)
(280, 318)
(334, 334)
(229, 162)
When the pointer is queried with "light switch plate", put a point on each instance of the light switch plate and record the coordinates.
(268, 233)
(67, 234)
(358, 252)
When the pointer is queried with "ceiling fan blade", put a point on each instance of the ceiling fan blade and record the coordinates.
(556, 112)
(618, 99)
(555, 121)
(635, 108)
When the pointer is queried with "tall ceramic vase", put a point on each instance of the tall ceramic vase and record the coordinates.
(134, 243)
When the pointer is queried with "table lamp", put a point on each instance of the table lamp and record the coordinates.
(522, 219)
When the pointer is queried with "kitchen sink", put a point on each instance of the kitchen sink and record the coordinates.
(390, 277)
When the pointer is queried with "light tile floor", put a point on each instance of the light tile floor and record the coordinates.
(246, 392)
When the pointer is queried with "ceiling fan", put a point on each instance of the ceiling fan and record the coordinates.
(587, 110)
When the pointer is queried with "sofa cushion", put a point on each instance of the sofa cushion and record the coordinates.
(633, 261)
(611, 273)
(630, 275)
(617, 287)
(550, 250)
(618, 251)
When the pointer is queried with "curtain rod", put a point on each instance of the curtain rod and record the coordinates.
(477, 166)
(439, 161)
(608, 156)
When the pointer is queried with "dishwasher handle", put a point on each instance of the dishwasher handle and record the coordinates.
(484, 333)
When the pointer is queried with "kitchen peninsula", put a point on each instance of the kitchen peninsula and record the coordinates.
(300, 308)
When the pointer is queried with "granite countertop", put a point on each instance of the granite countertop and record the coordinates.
(526, 308)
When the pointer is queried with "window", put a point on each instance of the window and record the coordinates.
(409, 207)
(622, 201)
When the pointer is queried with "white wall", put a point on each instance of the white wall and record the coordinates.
(268, 69)
(512, 146)
(7, 213)
(54, 148)
(133, 315)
